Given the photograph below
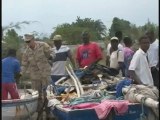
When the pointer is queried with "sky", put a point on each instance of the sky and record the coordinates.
(50, 13)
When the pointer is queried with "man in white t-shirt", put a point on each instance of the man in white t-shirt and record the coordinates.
(117, 56)
(139, 68)
(120, 47)
(119, 35)
(153, 57)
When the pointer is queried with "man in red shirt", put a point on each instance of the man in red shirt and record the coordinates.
(88, 52)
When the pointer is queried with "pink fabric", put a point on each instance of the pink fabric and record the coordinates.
(127, 51)
(82, 106)
(87, 54)
(103, 109)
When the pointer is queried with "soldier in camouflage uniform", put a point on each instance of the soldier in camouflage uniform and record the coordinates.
(35, 61)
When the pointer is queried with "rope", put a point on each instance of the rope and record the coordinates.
(142, 115)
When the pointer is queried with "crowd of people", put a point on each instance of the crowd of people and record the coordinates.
(45, 64)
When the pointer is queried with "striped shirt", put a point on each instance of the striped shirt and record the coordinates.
(59, 61)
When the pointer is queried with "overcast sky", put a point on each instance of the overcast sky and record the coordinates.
(50, 13)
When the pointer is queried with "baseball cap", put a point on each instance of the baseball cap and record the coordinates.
(28, 37)
(114, 38)
(57, 37)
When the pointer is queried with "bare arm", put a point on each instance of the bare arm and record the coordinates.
(77, 58)
(134, 77)
(120, 65)
(71, 58)
(157, 66)
(17, 77)
(17, 71)
(107, 61)
(98, 53)
(47, 51)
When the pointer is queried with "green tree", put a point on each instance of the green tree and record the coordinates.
(72, 32)
(150, 26)
(131, 29)
(12, 40)
(119, 25)
(17, 25)
(94, 25)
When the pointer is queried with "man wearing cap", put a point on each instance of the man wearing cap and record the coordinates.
(35, 61)
(88, 52)
(61, 52)
(117, 56)
(119, 35)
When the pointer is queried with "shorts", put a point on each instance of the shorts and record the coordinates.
(10, 88)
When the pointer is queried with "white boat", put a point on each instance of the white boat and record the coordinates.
(22, 108)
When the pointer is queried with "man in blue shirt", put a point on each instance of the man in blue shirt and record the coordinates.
(10, 71)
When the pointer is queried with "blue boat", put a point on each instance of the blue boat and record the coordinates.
(134, 113)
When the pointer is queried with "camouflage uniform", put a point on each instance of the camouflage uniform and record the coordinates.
(36, 63)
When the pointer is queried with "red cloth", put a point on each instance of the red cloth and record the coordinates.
(10, 88)
(87, 54)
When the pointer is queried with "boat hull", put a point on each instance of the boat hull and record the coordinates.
(133, 113)
(19, 108)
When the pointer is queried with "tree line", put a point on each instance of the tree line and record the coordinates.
(72, 32)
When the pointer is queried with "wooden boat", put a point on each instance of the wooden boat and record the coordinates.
(57, 107)
(134, 113)
(22, 108)
(62, 113)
